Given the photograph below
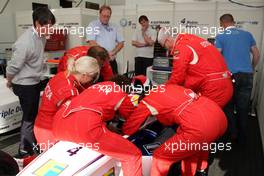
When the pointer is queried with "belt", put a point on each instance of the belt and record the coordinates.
(219, 75)
(236, 76)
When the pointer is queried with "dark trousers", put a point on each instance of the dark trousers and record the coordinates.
(29, 100)
(141, 65)
(240, 102)
(113, 64)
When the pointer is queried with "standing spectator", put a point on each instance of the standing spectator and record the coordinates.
(107, 36)
(24, 71)
(236, 46)
(144, 40)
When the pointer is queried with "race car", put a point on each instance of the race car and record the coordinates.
(67, 158)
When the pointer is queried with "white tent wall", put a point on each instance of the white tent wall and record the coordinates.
(259, 98)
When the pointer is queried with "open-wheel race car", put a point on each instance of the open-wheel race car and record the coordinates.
(67, 158)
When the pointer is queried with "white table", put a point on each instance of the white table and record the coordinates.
(10, 109)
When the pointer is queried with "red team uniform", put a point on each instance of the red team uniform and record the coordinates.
(199, 66)
(82, 120)
(79, 51)
(58, 90)
(200, 121)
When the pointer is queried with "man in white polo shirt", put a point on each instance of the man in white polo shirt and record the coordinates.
(144, 40)
(107, 36)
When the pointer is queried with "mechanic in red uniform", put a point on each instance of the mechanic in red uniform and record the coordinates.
(97, 52)
(88, 113)
(198, 65)
(59, 89)
(201, 121)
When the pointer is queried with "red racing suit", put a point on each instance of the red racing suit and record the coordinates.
(58, 90)
(198, 65)
(79, 51)
(82, 120)
(201, 121)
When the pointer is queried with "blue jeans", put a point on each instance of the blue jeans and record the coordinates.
(240, 102)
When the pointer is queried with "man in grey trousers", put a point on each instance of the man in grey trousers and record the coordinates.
(24, 71)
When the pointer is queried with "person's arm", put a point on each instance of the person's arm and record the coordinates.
(138, 44)
(92, 43)
(62, 66)
(118, 47)
(64, 94)
(135, 41)
(20, 52)
(9, 80)
(254, 50)
(181, 60)
(120, 44)
(136, 119)
(218, 43)
(148, 39)
(256, 56)
(114, 52)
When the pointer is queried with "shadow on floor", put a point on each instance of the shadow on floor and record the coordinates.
(240, 161)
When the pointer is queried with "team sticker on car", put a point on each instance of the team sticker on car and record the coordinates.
(50, 168)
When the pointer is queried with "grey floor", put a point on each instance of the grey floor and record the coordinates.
(9, 142)
(241, 161)
(245, 161)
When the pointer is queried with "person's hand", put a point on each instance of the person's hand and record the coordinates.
(9, 84)
(112, 55)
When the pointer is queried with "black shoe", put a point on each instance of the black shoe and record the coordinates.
(36, 149)
(201, 173)
(22, 154)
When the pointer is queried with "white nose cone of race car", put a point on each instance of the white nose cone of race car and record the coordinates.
(11, 112)
(68, 158)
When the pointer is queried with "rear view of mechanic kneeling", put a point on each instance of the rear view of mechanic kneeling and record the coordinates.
(82, 120)
(201, 121)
